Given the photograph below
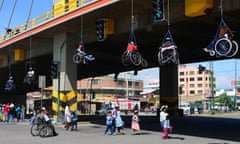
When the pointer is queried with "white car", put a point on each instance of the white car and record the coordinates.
(185, 107)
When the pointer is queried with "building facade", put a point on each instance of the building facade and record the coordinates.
(107, 86)
(195, 84)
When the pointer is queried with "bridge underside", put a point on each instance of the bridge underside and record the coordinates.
(190, 36)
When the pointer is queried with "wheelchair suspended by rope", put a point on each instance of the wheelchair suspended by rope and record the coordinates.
(168, 50)
(131, 56)
(80, 56)
(30, 74)
(9, 86)
(223, 43)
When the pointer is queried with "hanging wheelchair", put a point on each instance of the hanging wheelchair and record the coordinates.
(168, 51)
(131, 56)
(223, 43)
(80, 55)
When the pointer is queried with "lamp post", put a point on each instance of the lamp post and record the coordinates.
(236, 83)
(59, 67)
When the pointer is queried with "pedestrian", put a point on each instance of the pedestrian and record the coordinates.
(22, 113)
(135, 122)
(74, 121)
(167, 128)
(114, 115)
(118, 121)
(162, 114)
(109, 120)
(67, 117)
(5, 111)
(18, 112)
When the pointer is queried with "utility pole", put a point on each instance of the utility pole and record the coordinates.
(236, 83)
(212, 87)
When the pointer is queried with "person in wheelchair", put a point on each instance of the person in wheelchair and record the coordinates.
(131, 47)
(168, 50)
(43, 117)
(80, 51)
(225, 32)
(10, 84)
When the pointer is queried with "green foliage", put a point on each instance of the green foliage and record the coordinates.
(224, 99)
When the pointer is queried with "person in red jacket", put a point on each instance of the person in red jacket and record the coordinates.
(131, 47)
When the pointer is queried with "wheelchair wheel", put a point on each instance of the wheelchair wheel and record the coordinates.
(46, 131)
(144, 62)
(126, 58)
(77, 58)
(234, 49)
(223, 46)
(35, 129)
(135, 58)
(160, 58)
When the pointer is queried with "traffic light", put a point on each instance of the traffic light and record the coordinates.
(100, 29)
(54, 70)
(158, 10)
(201, 69)
(104, 28)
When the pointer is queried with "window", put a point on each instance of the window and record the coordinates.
(181, 73)
(181, 79)
(94, 81)
(199, 85)
(192, 92)
(199, 78)
(191, 72)
(191, 85)
(191, 79)
(200, 92)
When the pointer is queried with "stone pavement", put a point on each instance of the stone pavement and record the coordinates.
(19, 133)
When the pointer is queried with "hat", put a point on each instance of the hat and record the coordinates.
(163, 107)
(136, 111)
(43, 109)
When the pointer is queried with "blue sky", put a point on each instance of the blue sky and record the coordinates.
(224, 70)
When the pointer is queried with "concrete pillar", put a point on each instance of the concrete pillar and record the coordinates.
(169, 88)
(65, 92)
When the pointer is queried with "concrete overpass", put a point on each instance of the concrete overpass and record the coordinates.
(55, 31)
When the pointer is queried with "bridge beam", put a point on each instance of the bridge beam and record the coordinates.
(169, 88)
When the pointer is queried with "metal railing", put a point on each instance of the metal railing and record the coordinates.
(57, 11)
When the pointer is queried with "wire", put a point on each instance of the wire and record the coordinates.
(221, 8)
(1, 5)
(29, 14)
(11, 14)
(168, 21)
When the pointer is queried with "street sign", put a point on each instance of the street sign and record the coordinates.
(42, 81)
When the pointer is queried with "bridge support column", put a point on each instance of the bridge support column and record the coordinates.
(65, 91)
(169, 88)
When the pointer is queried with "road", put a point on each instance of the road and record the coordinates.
(187, 130)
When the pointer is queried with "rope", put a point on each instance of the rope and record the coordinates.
(11, 15)
(1, 5)
(132, 35)
(9, 62)
(168, 21)
(221, 8)
(29, 14)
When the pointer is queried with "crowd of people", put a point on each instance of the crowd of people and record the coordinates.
(11, 113)
(114, 123)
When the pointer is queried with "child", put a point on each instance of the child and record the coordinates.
(74, 121)
(166, 127)
(135, 123)
(109, 120)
